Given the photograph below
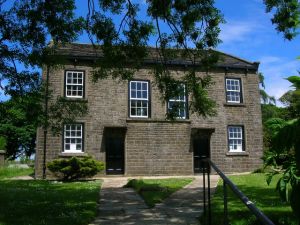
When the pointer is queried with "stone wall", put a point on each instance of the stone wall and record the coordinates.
(154, 146)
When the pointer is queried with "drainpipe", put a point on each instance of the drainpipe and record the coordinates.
(45, 122)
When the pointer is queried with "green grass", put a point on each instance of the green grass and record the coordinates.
(44, 202)
(9, 172)
(265, 197)
(155, 191)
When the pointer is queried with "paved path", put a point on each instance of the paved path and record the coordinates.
(120, 205)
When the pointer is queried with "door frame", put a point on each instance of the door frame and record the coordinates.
(201, 133)
(115, 132)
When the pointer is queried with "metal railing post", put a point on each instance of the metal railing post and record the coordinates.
(225, 203)
(208, 193)
(204, 194)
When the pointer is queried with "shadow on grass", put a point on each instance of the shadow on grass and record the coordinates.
(45, 202)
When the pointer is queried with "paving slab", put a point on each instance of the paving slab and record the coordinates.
(120, 205)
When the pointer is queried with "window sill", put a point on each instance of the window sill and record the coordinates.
(237, 154)
(234, 104)
(75, 99)
(148, 120)
(70, 154)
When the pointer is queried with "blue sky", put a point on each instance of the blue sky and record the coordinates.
(249, 34)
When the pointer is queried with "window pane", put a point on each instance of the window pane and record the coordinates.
(133, 85)
(145, 86)
(133, 111)
(133, 103)
(133, 94)
(78, 147)
(144, 111)
(145, 94)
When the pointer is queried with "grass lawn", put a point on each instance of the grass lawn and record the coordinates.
(265, 197)
(37, 202)
(155, 191)
(9, 172)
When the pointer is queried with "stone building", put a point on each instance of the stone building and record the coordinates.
(126, 126)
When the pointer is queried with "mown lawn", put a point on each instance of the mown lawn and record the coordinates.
(155, 191)
(47, 202)
(265, 197)
(9, 172)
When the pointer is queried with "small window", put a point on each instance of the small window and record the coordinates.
(233, 90)
(73, 138)
(74, 84)
(139, 99)
(235, 138)
(179, 104)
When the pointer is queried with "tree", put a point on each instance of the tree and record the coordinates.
(18, 124)
(284, 154)
(286, 15)
(265, 98)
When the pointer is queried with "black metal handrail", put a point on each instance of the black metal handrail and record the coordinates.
(207, 164)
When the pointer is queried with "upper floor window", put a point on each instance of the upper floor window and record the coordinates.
(178, 105)
(139, 99)
(74, 85)
(236, 138)
(73, 138)
(233, 90)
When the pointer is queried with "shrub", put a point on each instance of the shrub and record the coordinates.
(75, 167)
(2, 143)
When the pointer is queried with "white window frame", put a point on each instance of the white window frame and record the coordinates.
(179, 99)
(138, 100)
(238, 91)
(236, 138)
(70, 136)
(72, 86)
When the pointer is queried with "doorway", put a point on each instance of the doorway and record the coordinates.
(201, 147)
(114, 148)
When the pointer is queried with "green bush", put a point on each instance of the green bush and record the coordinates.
(295, 200)
(2, 143)
(75, 167)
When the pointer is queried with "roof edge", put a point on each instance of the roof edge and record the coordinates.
(236, 57)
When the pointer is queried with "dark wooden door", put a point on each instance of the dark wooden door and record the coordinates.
(114, 155)
(201, 150)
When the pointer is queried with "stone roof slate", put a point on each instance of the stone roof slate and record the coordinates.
(87, 52)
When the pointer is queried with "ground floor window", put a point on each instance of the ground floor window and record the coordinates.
(236, 138)
(73, 138)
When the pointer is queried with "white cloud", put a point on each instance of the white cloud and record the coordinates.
(236, 31)
(269, 59)
(275, 70)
